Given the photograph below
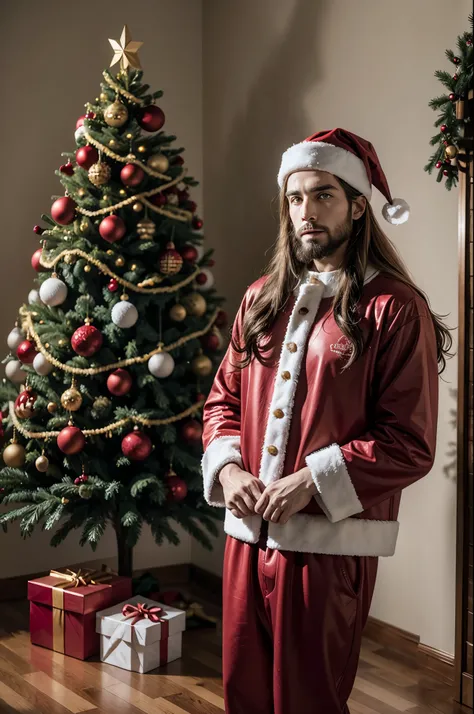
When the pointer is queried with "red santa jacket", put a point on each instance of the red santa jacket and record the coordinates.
(365, 433)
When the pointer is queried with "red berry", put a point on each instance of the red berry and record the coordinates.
(197, 223)
(446, 172)
(38, 230)
(90, 115)
(438, 164)
(113, 285)
(445, 143)
(455, 77)
(67, 169)
(443, 128)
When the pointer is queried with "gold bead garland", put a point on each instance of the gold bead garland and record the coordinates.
(105, 269)
(105, 429)
(28, 324)
(111, 82)
(125, 159)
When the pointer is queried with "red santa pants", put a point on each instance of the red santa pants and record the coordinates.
(292, 627)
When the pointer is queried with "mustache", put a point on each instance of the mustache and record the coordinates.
(309, 226)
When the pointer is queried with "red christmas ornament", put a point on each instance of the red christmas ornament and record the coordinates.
(455, 77)
(113, 285)
(112, 229)
(159, 199)
(178, 161)
(189, 253)
(151, 118)
(35, 261)
(443, 128)
(446, 172)
(221, 319)
(86, 156)
(119, 382)
(201, 278)
(90, 115)
(71, 440)
(197, 223)
(132, 175)
(38, 230)
(80, 121)
(24, 403)
(452, 97)
(210, 342)
(191, 431)
(438, 164)
(63, 210)
(26, 351)
(136, 446)
(86, 340)
(178, 489)
(456, 60)
(170, 261)
(67, 169)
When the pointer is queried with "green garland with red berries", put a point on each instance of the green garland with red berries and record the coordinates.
(448, 153)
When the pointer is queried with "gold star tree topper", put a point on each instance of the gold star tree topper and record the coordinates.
(126, 51)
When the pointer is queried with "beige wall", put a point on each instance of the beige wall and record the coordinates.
(275, 71)
(55, 53)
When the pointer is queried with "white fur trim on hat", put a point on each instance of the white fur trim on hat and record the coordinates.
(321, 156)
(396, 212)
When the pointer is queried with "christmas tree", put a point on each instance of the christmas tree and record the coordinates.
(111, 358)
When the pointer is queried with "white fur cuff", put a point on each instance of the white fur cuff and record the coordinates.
(336, 493)
(223, 450)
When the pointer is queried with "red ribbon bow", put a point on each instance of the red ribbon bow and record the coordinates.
(141, 611)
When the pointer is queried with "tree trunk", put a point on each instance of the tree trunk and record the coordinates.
(124, 552)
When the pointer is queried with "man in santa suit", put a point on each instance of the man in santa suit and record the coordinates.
(323, 409)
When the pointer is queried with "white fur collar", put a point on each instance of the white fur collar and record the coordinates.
(330, 279)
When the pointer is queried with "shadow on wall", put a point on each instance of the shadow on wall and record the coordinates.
(242, 188)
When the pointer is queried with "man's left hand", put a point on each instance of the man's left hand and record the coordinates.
(282, 498)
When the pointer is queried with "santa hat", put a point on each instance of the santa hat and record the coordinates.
(348, 157)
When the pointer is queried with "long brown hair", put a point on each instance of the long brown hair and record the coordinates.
(368, 244)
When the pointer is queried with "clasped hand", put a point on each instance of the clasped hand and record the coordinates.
(245, 495)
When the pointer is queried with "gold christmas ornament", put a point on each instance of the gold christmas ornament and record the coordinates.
(146, 229)
(71, 399)
(99, 173)
(133, 266)
(42, 463)
(61, 342)
(171, 261)
(64, 501)
(81, 192)
(201, 366)
(142, 149)
(451, 151)
(158, 162)
(112, 142)
(110, 252)
(124, 296)
(120, 262)
(122, 192)
(84, 226)
(178, 313)
(103, 97)
(52, 407)
(87, 268)
(195, 304)
(46, 345)
(129, 136)
(14, 455)
(116, 114)
(137, 207)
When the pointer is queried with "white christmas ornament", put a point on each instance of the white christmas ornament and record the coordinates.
(209, 280)
(53, 292)
(161, 364)
(41, 365)
(34, 297)
(124, 314)
(14, 338)
(79, 135)
(14, 371)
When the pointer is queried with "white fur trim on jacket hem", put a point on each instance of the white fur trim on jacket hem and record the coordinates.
(321, 156)
(305, 533)
(336, 493)
(223, 450)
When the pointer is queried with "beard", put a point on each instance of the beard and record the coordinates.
(316, 247)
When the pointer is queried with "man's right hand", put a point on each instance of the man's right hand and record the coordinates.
(241, 490)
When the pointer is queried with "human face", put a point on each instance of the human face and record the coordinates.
(322, 217)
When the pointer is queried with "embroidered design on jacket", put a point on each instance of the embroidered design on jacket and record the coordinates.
(343, 347)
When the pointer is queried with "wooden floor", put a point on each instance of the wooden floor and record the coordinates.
(36, 680)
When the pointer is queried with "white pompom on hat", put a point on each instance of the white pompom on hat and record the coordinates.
(346, 156)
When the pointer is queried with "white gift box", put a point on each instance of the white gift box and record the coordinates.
(144, 645)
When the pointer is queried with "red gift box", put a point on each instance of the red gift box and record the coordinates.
(63, 607)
